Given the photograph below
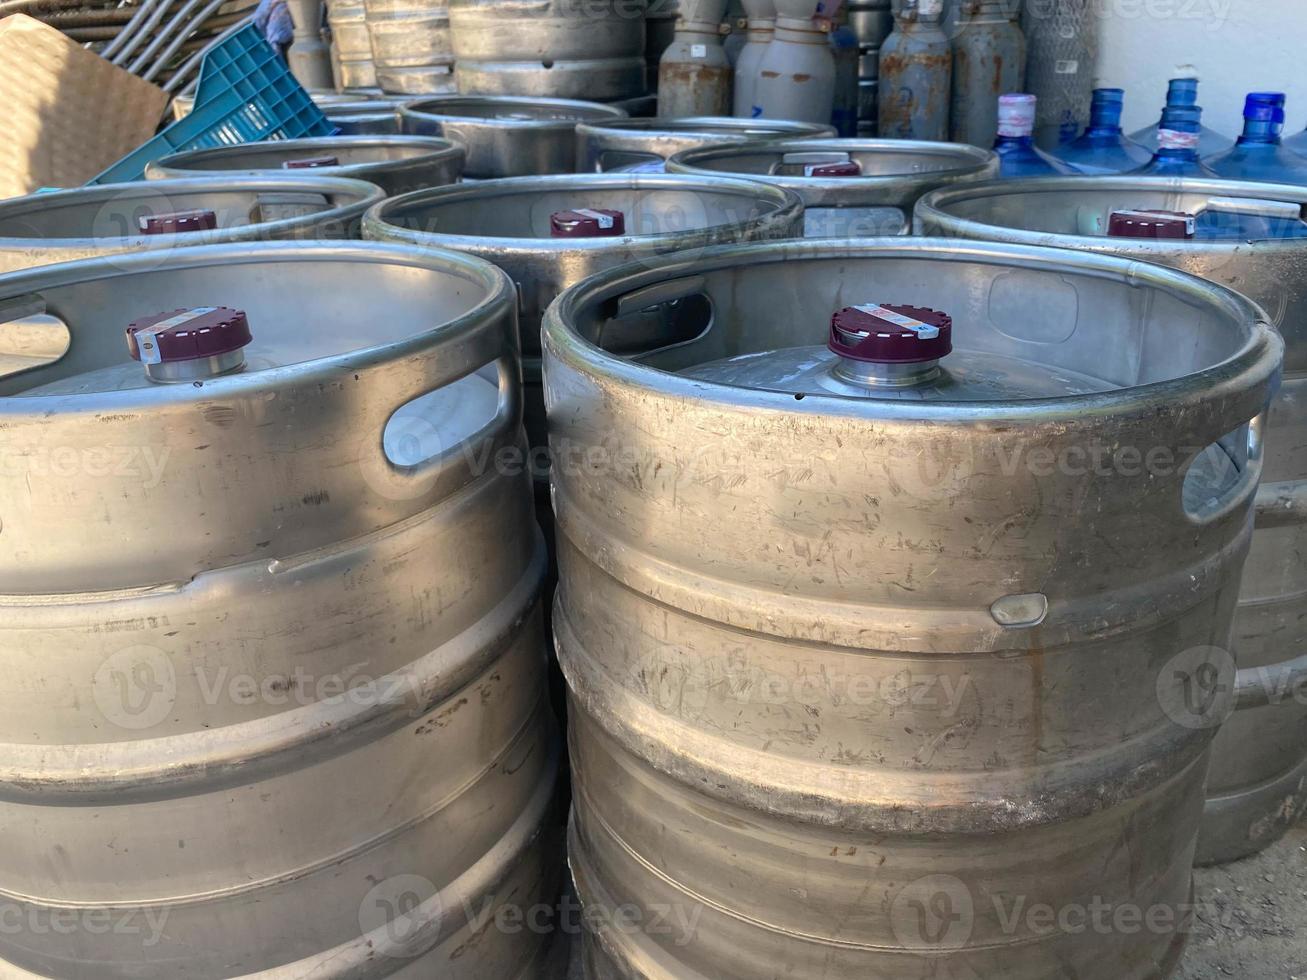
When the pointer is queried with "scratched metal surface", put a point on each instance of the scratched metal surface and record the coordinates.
(894, 173)
(1258, 784)
(506, 136)
(273, 638)
(561, 49)
(767, 595)
(396, 164)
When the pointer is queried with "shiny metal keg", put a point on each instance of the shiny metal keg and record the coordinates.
(1250, 237)
(396, 164)
(42, 229)
(865, 663)
(507, 137)
(563, 49)
(513, 223)
(643, 144)
(411, 46)
(353, 43)
(850, 187)
(372, 118)
(276, 700)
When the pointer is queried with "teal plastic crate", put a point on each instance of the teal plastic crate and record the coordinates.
(246, 94)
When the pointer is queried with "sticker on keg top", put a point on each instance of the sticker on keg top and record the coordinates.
(150, 353)
(1067, 67)
(605, 220)
(923, 330)
(698, 50)
(930, 8)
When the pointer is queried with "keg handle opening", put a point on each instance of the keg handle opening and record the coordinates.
(31, 337)
(662, 317)
(1202, 507)
(611, 159)
(415, 448)
(815, 163)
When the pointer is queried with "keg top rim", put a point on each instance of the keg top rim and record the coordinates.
(192, 162)
(731, 126)
(377, 222)
(933, 211)
(1255, 362)
(171, 195)
(968, 159)
(496, 294)
(580, 111)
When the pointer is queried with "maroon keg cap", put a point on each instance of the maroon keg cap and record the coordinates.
(174, 222)
(309, 163)
(898, 334)
(587, 223)
(1129, 223)
(844, 168)
(188, 334)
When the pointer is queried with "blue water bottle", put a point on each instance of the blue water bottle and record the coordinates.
(1017, 154)
(1177, 152)
(1103, 148)
(1259, 153)
(1181, 92)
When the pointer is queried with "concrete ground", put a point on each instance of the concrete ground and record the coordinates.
(1254, 920)
(1252, 923)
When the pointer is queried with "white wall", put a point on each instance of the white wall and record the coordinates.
(1237, 46)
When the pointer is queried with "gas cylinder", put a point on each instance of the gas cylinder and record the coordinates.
(796, 77)
(844, 49)
(735, 32)
(989, 59)
(1061, 48)
(916, 73)
(694, 74)
(761, 24)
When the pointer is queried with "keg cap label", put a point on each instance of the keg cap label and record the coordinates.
(923, 330)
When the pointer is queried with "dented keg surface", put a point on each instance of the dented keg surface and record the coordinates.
(276, 672)
(528, 227)
(642, 145)
(850, 187)
(1250, 237)
(566, 49)
(507, 137)
(42, 229)
(396, 164)
(854, 682)
(411, 45)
